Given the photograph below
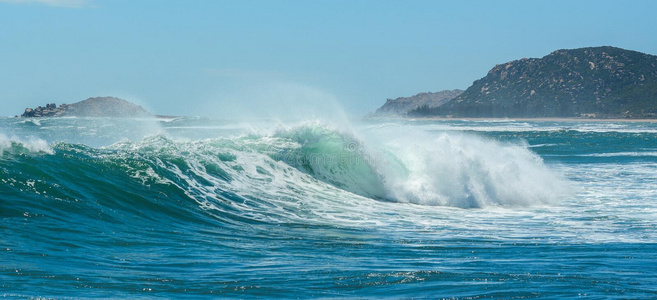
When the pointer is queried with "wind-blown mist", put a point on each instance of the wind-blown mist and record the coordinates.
(250, 97)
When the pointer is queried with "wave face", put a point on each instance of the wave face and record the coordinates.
(195, 207)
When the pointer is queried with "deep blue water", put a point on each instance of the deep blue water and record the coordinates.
(203, 208)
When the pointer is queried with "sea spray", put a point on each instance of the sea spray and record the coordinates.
(95, 132)
(17, 145)
(464, 170)
(258, 96)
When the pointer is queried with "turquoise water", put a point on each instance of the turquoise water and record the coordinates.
(203, 208)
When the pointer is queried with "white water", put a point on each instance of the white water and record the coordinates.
(33, 144)
(462, 170)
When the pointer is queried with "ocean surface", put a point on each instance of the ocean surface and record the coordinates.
(209, 208)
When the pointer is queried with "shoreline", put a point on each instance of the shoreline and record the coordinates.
(546, 119)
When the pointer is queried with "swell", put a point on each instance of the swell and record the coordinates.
(220, 182)
(82, 184)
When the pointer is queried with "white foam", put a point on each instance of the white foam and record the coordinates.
(536, 126)
(461, 170)
(622, 154)
(34, 145)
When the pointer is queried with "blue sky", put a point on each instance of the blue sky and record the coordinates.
(216, 58)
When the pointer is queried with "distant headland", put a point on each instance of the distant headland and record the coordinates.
(92, 107)
(404, 105)
(596, 82)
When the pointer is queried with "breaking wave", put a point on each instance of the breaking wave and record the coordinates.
(295, 172)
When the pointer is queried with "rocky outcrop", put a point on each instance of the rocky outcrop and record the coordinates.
(92, 107)
(403, 105)
(601, 82)
(51, 110)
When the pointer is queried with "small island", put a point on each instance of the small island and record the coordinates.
(93, 107)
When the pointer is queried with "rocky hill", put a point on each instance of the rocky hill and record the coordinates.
(602, 82)
(92, 107)
(403, 105)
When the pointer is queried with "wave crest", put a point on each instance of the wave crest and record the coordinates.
(470, 171)
(447, 169)
(21, 146)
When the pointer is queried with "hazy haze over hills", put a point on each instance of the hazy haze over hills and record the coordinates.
(402, 105)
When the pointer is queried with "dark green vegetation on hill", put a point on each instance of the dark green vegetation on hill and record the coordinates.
(601, 82)
(92, 107)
